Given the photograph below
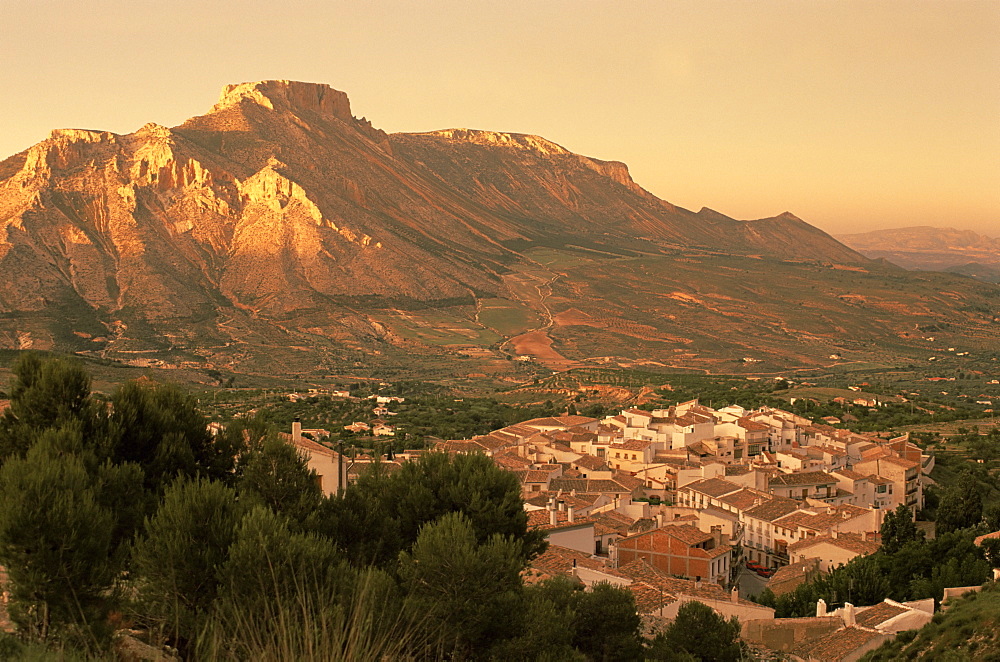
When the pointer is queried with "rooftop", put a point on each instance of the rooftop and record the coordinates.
(774, 509)
(852, 542)
(713, 487)
(557, 422)
(872, 617)
(835, 646)
(802, 478)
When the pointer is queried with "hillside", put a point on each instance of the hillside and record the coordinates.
(932, 249)
(279, 234)
(968, 629)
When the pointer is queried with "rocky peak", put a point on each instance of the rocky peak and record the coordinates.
(288, 95)
(66, 148)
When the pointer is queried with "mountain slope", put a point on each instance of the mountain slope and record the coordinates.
(277, 232)
(928, 248)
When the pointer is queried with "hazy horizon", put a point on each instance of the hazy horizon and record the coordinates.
(853, 116)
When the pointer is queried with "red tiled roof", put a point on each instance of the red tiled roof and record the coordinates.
(603, 486)
(820, 521)
(793, 570)
(612, 522)
(511, 461)
(851, 542)
(686, 533)
(751, 425)
(558, 560)
(628, 481)
(837, 645)
(557, 421)
(773, 509)
(591, 462)
(872, 617)
(309, 446)
(745, 498)
(803, 478)
(713, 487)
(533, 476)
(542, 520)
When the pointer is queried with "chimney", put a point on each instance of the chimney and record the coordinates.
(562, 505)
(296, 431)
(717, 535)
(659, 520)
(820, 608)
(734, 595)
(570, 513)
(697, 581)
(834, 534)
(848, 615)
(553, 518)
(572, 492)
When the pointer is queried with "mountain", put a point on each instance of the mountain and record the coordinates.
(928, 248)
(278, 233)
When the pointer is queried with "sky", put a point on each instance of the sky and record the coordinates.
(853, 115)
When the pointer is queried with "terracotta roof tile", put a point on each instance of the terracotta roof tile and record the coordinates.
(872, 617)
(793, 570)
(558, 421)
(803, 478)
(713, 487)
(591, 462)
(851, 542)
(558, 560)
(541, 520)
(604, 486)
(837, 645)
(745, 498)
(773, 509)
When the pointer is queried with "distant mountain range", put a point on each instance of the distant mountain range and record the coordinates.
(278, 233)
(932, 249)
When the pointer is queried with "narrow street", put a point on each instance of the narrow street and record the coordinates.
(750, 583)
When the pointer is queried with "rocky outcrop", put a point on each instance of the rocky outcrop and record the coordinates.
(279, 204)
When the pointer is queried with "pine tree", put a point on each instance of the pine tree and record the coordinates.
(178, 559)
(699, 633)
(56, 542)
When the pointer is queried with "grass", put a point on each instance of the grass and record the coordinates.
(314, 628)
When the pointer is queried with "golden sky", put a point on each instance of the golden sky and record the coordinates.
(853, 115)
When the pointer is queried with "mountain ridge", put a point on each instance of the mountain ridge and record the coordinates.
(278, 220)
(929, 248)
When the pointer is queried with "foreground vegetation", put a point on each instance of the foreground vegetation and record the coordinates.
(128, 514)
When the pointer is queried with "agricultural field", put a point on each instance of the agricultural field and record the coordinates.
(439, 327)
(507, 318)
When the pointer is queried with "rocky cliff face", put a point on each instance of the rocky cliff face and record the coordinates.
(278, 218)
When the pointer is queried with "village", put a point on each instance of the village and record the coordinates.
(695, 503)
